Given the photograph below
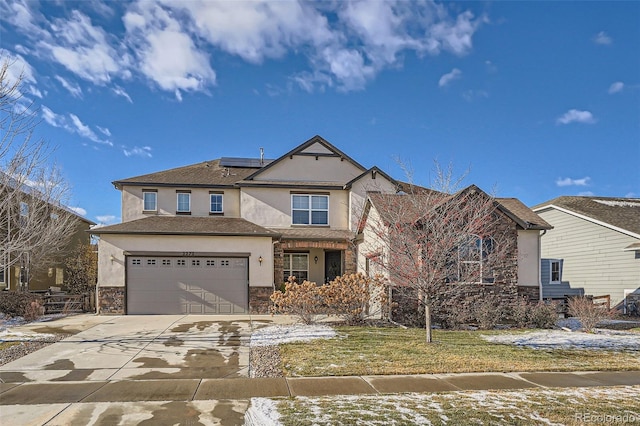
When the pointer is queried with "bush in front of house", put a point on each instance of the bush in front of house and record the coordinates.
(302, 300)
(589, 313)
(26, 305)
(541, 314)
(349, 297)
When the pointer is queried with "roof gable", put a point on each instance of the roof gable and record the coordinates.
(620, 214)
(314, 147)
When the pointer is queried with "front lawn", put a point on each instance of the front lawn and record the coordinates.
(383, 351)
(578, 406)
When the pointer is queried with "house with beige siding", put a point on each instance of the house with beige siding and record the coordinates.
(593, 248)
(218, 237)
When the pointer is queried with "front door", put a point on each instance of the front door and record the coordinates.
(332, 265)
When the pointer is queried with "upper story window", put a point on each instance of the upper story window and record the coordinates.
(555, 271)
(307, 209)
(150, 201)
(215, 203)
(184, 202)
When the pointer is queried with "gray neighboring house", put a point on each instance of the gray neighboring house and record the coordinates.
(593, 248)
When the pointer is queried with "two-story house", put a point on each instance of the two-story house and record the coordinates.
(214, 237)
(218, 237)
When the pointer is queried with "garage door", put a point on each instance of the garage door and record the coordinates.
(193, 285)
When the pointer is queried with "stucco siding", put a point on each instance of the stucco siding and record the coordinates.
(358, 194)
(309, 169)
(594, 256)
(271, 207)
(528, 260)
(111, 273)
(132, 207)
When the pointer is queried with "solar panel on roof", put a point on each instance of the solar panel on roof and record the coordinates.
(243, 162)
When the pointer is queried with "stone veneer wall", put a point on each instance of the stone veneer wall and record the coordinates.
(111, 300)
(259, 300)
(531, 293)
(350, 257)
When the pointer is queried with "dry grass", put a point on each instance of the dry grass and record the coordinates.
(602, 405)
(381, 351)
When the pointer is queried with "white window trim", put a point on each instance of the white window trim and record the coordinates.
(481, 262)
(155, 203)
(188, 194)
(310, 209)
(24, 209)
(289, 267)
(221, 203)
(559, 263)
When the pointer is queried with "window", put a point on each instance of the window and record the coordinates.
(24, 209)
(184, 202)
(136, 262)
(1, 276)
(296, 264)
(310, 209)
(473, 256)
(150, 201)
(181, 262)
(215, 203)
(555, 272)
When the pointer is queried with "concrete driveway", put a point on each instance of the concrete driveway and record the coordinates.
(140, 348)
(124, 369)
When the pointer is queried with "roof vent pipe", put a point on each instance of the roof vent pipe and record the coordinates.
(261, 156)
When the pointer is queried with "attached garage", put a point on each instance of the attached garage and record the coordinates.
(187, 285)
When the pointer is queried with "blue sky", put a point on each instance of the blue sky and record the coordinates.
(539, 99)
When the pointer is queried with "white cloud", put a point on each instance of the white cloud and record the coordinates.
(167, 53)
(71, 124)
(84, 49)
(144, 151)
(586, 194)
(602, 38)
(345, 44)
(472, 95)
(447, 78)
(106, 219)
(616, 87)
(19, 68)
(104, 131)
(78, 210)
(52, 118)
(120, 92)
(576, 116)
(573, 182)
(74, 89)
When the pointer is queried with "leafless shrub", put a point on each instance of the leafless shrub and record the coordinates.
(589, 313)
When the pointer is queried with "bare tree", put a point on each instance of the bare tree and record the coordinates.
(439, 244)
(34, 222)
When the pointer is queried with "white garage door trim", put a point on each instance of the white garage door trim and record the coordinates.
(187, 284)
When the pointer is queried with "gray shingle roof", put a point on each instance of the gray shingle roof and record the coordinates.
(524, 213)
(187, 225)
(208, 173)
(623, 213)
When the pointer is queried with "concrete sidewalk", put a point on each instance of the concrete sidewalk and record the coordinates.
(226, 400)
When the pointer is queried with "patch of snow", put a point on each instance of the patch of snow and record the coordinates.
(556, 339)
(279, 334)
(17, 336)
(262, 412)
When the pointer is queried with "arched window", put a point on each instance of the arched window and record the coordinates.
(473, 259)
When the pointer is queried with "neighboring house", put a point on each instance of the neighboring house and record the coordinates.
(39, 272)
(519, 229)
(593, 248)
(218, 237)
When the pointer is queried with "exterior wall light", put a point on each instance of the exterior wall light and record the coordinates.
(315, 259)
(260, 259)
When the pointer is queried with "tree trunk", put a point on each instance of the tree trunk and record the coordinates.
(427, 321)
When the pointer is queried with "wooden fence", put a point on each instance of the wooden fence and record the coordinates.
(56, 303)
